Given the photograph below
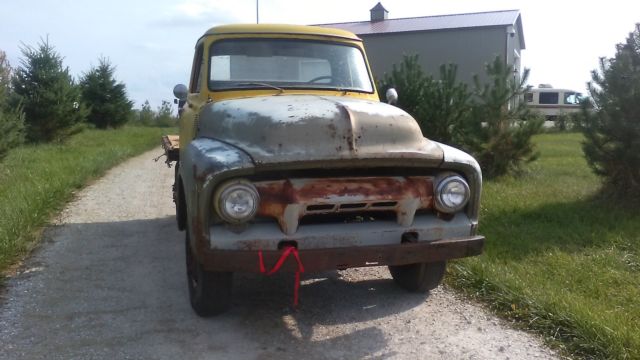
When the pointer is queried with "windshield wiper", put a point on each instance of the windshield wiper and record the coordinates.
(261, 84)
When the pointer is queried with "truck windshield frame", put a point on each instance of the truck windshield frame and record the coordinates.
(262, 63)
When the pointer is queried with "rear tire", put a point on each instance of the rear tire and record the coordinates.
(209, 291)
(420, 277)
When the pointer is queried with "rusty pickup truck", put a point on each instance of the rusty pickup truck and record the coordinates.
(285, 149)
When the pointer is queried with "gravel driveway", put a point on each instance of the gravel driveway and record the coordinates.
(109, 283)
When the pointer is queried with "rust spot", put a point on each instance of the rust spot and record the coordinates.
(303, 194)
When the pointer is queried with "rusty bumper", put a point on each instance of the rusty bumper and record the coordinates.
(347, 257)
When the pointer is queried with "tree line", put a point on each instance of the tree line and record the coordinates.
(41, 102)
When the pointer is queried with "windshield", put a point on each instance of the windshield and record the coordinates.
(282, 63)
(572, 98)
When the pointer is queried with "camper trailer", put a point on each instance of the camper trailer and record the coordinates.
(551, 102)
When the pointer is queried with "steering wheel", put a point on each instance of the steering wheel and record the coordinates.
(324, 77)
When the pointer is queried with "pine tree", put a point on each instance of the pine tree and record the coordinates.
(439, 106)
(612, 127)
(410, 81)
(5, 77)
(11, 117)
(447, 108)
(48, 94)
(106, 99)
(502, 124)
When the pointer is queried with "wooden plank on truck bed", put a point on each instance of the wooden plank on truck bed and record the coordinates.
(171, 146)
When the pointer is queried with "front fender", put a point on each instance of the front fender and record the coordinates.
(203, 164)
(458, 160)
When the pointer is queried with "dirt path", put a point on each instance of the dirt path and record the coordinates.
(109, 283)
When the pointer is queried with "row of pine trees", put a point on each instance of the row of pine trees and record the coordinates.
(41, 102)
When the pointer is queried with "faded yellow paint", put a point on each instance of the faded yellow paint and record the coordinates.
(188, 122)
(280, 29)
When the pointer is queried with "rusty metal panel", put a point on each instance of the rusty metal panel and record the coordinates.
(268, 235)
(289, 200)
(342, 258)
(306, 128)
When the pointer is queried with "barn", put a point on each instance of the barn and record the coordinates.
(469, 40)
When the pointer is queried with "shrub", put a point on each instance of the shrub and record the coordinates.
(612, 127)
(146, 115)
(12, 130)
(164, 117)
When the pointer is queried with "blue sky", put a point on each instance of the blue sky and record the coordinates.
(151, 42)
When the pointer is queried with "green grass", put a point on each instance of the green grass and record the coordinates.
(558, 259)
(37, 180)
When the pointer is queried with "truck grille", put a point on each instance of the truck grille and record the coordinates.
(292, 200)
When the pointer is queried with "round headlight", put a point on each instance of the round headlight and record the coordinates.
(237, 201)
(452, 194)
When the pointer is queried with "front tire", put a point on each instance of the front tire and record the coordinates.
(420, 277)
(209, 291)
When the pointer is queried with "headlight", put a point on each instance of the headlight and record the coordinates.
(236, 201)
(452, 194)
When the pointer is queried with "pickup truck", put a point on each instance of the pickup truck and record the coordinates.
(287, 160)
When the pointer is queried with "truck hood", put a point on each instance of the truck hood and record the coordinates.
(294, 128)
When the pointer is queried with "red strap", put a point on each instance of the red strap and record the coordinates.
(287, 251)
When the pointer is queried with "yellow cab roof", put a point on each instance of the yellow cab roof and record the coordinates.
(280, 29)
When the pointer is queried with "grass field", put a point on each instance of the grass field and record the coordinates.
(558, 259)
(37, 181)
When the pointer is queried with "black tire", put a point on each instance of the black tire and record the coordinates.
(180, 201)
(420, 277)
(209, 291)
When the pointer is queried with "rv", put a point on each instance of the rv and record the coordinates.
(551, 102)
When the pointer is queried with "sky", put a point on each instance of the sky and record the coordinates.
(151, 41)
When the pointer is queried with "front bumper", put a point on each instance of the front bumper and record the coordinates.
(268, 236)
(347, 257)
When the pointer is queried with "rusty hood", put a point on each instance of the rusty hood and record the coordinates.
(294, 128)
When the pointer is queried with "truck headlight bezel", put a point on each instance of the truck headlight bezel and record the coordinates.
(452, 194)
(236, 201)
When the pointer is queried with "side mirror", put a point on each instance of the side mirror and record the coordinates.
(180, 91)
(392, 96)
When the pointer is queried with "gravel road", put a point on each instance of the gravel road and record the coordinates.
(109, 283)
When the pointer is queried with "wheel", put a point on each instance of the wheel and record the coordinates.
(209, 291)
(181, 206)
(420, 277)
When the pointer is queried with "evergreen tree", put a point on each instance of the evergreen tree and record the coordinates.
(5, 77)
(410, 81)
(612, 127)
(11, 118)
(48, 94)
(440, 107)
(447, 108)
(501, 124)
(106, 99)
